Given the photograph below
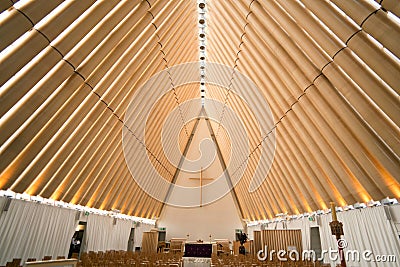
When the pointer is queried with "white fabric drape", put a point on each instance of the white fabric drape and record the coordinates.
(32, 230)
(103, 234)
(364, 230)
(367, 229)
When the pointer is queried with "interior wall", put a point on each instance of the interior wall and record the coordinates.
(218, 219)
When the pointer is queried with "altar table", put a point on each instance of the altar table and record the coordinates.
(198, 250)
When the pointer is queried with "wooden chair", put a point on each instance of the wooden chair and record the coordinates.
(162, 247)
(176, 246)
(14, 263)
(223, 248)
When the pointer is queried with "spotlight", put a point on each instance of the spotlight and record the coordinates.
(373, 203)
(389, 201)
(359, 205)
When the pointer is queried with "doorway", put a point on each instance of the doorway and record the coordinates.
(77, 241)
(131, 241)
(316, 242)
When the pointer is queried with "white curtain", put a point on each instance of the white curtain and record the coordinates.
(370, 229)
(106, 233)
(33, 230)
(364, 230)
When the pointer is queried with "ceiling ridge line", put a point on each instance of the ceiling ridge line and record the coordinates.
(202, 47)
(233, 70)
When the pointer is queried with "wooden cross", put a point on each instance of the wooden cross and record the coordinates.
(201, 184)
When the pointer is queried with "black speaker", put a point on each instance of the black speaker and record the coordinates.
(7, 204)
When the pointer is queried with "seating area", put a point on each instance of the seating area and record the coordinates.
(123, 258)
(127, 258)
(18, 262)
(250, 260)
(14, 263)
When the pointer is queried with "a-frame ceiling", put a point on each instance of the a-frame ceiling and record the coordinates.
(328, 70)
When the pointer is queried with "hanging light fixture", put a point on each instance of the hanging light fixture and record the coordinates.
(202, 46)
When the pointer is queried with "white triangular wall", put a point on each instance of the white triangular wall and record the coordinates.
(218, 219)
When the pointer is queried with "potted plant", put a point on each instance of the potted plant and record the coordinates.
(242, 239)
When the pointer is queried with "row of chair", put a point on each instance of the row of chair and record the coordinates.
(13, 263)
(124, 258)
(251, 260)
(18, 262)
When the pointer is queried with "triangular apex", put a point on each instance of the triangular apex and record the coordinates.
(201, 155)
